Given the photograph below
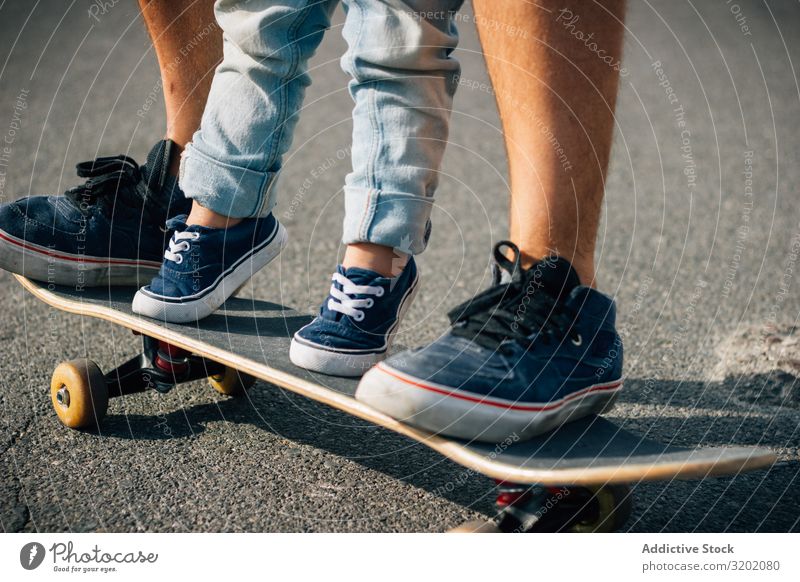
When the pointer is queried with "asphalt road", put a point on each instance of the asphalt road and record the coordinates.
(701, 263)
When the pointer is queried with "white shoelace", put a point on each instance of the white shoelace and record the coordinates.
(342, 302)
(178, 244)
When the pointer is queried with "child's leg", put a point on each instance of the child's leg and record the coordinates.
(404, 78)
(403, 81)
(230, 166)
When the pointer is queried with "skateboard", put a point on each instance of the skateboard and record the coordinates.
(576, 478)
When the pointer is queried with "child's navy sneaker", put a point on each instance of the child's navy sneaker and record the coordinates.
(356, 323)
(204, 266)
(107, 231)
(532, 352)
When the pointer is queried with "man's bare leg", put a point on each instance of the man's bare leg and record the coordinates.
(555, 65)
(188, 45)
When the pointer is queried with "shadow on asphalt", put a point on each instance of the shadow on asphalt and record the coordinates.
(305, 422)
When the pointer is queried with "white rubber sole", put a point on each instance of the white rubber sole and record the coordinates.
(445, 411)
(347, 363)
(59, 268)
(194, 310)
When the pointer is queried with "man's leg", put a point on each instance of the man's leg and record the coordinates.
(538, 348)
(188, 44)
(554, 65)
(109, 230)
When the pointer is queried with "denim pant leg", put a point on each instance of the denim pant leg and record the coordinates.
(232, 162)
(403, 81)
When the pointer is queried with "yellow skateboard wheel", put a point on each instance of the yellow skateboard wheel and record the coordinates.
(477, 526)
(232, 382)
(79, 393)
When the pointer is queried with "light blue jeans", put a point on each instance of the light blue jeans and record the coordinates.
(403, 81)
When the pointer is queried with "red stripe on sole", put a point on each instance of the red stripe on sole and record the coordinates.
(524, 408)
(54, 254)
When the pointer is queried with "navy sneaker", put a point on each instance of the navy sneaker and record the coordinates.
(357, 323)
(521, 358)
(204, 266)
(107, 231)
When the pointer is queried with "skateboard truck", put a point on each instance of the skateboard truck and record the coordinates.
(80, 391)
(160, 366)
(523, 508)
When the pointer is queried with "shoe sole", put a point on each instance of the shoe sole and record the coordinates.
(60, 268)
(194, 310)
(445, 411)
(343, 363)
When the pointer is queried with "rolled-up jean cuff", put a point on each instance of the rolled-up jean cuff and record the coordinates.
(225, 189)
(392, 219)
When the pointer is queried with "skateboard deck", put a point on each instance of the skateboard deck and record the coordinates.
(253, 336)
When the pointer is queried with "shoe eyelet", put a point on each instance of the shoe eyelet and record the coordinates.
(195, 235)
(179, 259)
(379, 292)
(370, 302)
(359, 316)
(577, 340)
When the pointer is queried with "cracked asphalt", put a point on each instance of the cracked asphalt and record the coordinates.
(699, 244)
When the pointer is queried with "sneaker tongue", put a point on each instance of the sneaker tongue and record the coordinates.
(177, 223)
(156, 168)
(163, 192)
(360, 276)
(555, 276)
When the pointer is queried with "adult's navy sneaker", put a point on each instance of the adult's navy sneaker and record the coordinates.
(521, 358)
(204, 266)
(357, 322)
(107, 231)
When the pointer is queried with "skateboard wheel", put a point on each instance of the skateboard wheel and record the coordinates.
(232, 382)
(614, 504)
(477, 526)
(79, 393)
